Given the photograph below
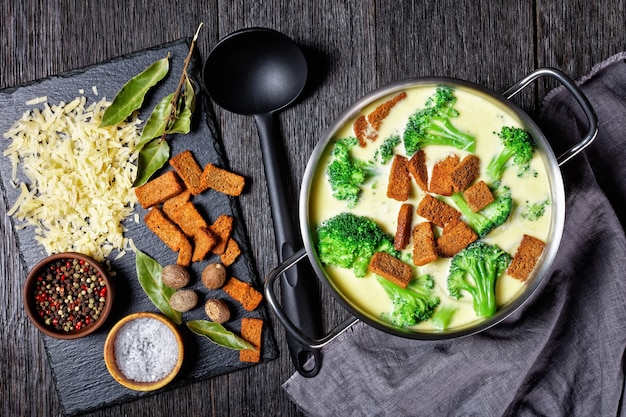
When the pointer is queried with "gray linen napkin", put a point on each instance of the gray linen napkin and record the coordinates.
(562, 353)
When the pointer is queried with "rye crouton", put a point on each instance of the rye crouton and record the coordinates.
(189, 171)
(403, 229)
(158, 190)
(441, 176)
(243, 292)
(231, 253)
(424, 249)
(464, 173)
(391, 268)
(363, 131)
(379, 114)
(170, 234)
(251, 331)
(187, 217)
(366, 128)
(399, 185)
(455, 239)
(223, 181)
(418, 169)
(437, 211)
(176, 202)
(526, 257)
(478, 196)
(221, 230)
(203, 242)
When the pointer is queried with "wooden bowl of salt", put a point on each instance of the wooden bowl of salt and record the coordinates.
(143, 351)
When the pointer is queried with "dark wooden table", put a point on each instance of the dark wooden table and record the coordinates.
(354, 47)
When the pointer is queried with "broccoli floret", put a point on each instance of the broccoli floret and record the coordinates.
(443, 316)
(349, 241)
(490, 217)
(475, 269)
(518, 145)
(412, 304)
(346, 174)
(385, 152)
(432, 125)
(534, 211)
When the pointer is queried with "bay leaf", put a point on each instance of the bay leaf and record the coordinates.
(149, 275)
(132, 94)
(182, 124)
(151, 158)
(157, 122)
(218, 334)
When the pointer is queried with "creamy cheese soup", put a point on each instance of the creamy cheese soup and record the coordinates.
(479, 116)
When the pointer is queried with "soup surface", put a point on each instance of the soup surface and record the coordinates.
(479, 116)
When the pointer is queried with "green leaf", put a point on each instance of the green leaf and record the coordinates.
(186, 105)
(149, 275)
(151, 158)
(182, 124)
(216, 333)
(157, 122)
(132, 94)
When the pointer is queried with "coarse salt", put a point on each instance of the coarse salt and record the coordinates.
(145, 350)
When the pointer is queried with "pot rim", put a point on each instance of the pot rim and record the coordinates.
(556, 225)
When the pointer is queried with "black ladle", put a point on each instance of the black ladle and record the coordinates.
(258, 72)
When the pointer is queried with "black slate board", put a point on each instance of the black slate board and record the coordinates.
(82, 380)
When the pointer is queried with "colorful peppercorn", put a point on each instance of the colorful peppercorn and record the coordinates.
(69, 295)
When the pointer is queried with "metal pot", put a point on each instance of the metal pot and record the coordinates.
(551, 162)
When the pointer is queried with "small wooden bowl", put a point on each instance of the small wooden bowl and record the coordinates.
(112, 364)
(30, 302)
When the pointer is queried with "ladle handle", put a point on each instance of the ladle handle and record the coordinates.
(592, 119)
(299, 295)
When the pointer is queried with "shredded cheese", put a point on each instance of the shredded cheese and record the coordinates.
(79, 177)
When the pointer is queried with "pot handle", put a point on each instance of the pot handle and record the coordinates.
(282, 317)
(578, 95)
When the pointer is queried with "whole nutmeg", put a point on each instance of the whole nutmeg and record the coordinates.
(214, 276)
(217, 310)
(175, 276)
(183, 300)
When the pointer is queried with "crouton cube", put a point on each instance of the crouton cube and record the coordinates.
(464, 173)
(399, 186)
(437, 211)
(441, 177)
(424, 249)
(418, 169)
(231, 253)
(221, 230)
(251, 331)
(363, 131)
(223, 181)
(391, 268)
(185, 253)
(379, 114)
(203, 242)
(176, 202)
(188, 169)
(403, 229)
(170, 234)
(526, 257)
(478, 196)
(186, 217)
(457, 238)
(161, 188)
(243, 292)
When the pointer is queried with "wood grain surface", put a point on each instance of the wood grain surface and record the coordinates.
(353, 47)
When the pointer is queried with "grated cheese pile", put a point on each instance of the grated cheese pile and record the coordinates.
(79, 177)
